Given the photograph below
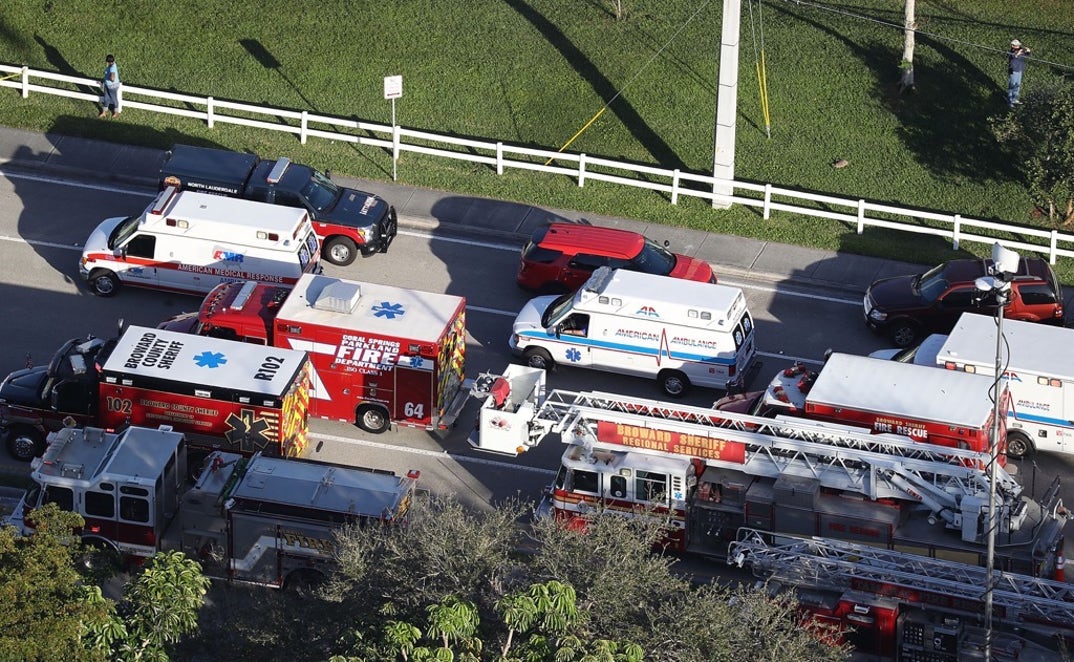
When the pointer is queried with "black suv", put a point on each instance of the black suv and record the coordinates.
(906, 308)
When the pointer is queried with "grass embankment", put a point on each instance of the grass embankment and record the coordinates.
(533, 72)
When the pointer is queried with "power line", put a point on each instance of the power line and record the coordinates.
(931, 35)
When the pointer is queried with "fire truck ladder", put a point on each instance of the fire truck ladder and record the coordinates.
(839, 457)
(822, 563)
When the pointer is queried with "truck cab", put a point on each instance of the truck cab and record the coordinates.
(347, 221)
(37, 400)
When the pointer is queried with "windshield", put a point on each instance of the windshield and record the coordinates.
(320, 192)
(557, 309)
(123, 231)
(653, 259)
(931, 284)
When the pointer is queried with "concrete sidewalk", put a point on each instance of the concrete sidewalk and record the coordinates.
(451, 213)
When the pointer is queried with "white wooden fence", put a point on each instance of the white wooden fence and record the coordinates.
(582, 167)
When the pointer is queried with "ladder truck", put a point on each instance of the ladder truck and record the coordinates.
(710, 473)
(896, 604)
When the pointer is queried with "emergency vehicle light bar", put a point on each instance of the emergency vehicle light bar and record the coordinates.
(163, 199)
(276, 174)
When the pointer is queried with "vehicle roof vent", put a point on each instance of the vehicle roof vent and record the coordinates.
(338, 297)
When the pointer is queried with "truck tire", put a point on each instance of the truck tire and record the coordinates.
(372, 418)
(340, 250)
(535, 357)
(303, 583)
(1019, 445)
(674, 383)
(25, 442)
(904, 333)
(103, 283)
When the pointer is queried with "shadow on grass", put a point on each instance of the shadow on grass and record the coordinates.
(944, 123)
(605, 89)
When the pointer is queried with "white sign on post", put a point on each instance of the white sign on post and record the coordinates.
(393, 89)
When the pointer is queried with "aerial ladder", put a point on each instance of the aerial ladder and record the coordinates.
(1023, 604)
(950, 482)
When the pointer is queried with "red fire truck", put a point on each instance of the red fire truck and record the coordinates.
(711, 477)
(953, 410)
(224, 395)
(261, 520)
(380, 353)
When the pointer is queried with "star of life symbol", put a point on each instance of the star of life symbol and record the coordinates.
(415, 361)
(210, 359)
(388, 310)
(573, 355)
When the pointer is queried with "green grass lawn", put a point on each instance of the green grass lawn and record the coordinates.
(533, 72)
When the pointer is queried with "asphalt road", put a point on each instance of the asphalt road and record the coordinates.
(45, 219)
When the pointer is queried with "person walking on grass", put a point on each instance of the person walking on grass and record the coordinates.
(112, 99)
(1016, 63)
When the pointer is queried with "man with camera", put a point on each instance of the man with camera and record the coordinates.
(1016, 63)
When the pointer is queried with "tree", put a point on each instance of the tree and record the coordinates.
(443, 550)
(1039, 135)
(906, 66)
(45, 608)
(49, 611)
(160, 606)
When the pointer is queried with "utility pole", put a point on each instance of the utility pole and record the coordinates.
(726, 104)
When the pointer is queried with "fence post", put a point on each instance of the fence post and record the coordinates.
(958, 231)
(1053, 247)
(581, 170)
(209, 111)
(675, 186)
(499, 158)
(767, 201)
(861, 216)
(302, 128)
(395, 146)
(25, 81)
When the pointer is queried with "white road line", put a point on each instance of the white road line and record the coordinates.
(107, 188)
(444, 455)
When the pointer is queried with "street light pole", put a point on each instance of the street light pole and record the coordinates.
(1004, 263)
(993, 463)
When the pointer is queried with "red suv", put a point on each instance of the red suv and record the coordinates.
(561, 256)
(906, 308)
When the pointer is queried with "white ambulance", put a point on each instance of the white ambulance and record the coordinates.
(680, 332)
(1039, 368)
(191, 242)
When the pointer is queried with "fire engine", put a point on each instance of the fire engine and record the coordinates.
(260, 520)
(952, 409)
(224, 395)
(380, 353)
(711, 474)
(887, 602)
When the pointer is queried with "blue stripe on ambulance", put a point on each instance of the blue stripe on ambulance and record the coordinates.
(633, 349)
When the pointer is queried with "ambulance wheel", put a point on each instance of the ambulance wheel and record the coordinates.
(674, 383)
(903, 333)
(536, 357)
(1018, 445)
(340, 250)
(103, 283)
(372, 418)
(25, 443)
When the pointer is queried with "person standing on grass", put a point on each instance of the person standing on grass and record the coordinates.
(112, 98)
(1016, 63)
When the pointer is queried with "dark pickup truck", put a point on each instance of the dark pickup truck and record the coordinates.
(346, 220)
